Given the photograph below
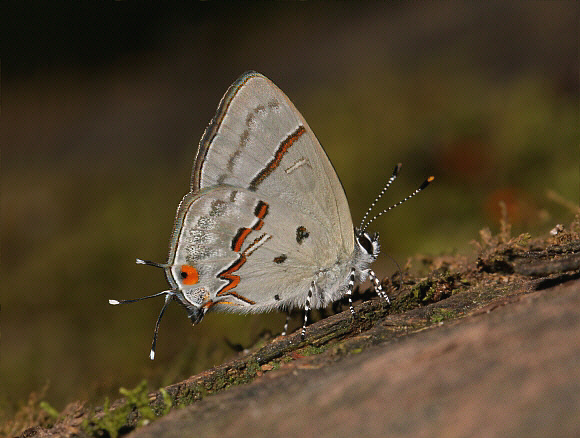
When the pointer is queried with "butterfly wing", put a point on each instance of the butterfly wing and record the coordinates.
(259, 141)
(234, 248)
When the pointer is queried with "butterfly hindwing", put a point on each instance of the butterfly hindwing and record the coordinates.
(244, 254)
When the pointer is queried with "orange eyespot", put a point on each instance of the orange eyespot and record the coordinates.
(189, 275)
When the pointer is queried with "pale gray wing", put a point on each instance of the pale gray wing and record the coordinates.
(249, 253)
(259, 141)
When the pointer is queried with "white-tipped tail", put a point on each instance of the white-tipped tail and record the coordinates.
(114, 302)
(152, 354)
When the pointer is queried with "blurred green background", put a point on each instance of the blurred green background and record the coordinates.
(103, 104)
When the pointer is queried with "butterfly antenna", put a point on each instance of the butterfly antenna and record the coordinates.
(165, 292)
(169, 294)
(168, 299)
(117, 302)
(421, 188)
(150, 263)
(387, 185)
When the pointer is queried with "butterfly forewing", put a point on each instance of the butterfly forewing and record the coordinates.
(260, 142)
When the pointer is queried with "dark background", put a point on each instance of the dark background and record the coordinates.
(103, 104)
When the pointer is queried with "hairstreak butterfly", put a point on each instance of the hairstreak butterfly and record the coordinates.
(266, 224)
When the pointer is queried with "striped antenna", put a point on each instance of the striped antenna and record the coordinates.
(168, 299)
(169, 295)
(387, 185)
(165, 292)
(421, 188)
(134, 300)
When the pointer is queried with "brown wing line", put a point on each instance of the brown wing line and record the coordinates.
(214, 126)
(275, 162)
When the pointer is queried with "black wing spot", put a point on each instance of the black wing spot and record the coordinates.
(301, 234)
(277, 297)
(280, 259)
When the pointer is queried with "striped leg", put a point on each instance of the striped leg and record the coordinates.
(307, 310)
(286, 324)
(377, 285)
(349, 290)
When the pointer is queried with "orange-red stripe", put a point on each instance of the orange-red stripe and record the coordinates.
(275, 162)
(234, 280)
(261, 210)
(239, 239)
(228, 275)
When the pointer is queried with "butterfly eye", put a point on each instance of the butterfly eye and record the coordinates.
(364, 240)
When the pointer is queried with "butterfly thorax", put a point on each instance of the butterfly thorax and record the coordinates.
(332, 282)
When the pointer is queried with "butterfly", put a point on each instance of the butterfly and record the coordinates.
(266, 224)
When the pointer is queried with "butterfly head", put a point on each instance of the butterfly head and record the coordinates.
(367, 245)
(190, 299)
(195, 314)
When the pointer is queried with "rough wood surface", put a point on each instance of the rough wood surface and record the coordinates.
(481, 347)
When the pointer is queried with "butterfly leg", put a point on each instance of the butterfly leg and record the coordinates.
(286, 324)
(349, 290)
(307, 309)
(377, 285)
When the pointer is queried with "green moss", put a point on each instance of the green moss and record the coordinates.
(311, 350)
(190, 395)
(275, 365)
(109, 422)
(252, 368)
(440, 315)
(136, 403)
(423, 291)
(167, 403)
(221, 381)
(51, 412)
(523, 239)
